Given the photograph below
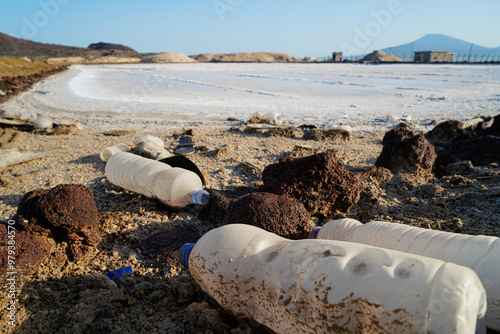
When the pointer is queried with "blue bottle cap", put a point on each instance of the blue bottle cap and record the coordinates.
(184, 253)
(119, 272)
(201, 197)
(314, 232)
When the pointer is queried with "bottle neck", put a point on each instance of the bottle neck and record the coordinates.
(201, 197)
(184, 253)
(314, 232)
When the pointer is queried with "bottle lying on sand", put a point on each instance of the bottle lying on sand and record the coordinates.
(323, 286)
(480, 253)
(175, 187)
(107, 152)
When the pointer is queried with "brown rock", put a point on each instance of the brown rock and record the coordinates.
(480, 151)
(216, 208)
(28, 253)
(403, 151)
(445, 131)
(277, 214)
(332, 134)
(320, 182)
(281, 132)
(65, 212)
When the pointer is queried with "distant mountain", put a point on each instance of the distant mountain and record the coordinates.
(17, 47)
(110, 46)
(437, 42)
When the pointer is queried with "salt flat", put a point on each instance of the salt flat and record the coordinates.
(206, 94)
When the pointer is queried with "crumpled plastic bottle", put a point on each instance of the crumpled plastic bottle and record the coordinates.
(478, 252)
(323, 286)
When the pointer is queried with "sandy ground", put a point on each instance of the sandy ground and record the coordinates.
(161, 296)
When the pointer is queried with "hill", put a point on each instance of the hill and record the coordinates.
(437, 42)
(17, 47)
(110, 46)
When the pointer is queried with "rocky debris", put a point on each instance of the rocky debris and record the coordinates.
(116, 133)
(404, 151)
(461, 167)
(66, 212)
(320, 182)
(30, 251)
(277, 214)
(445, 132)
(476, 140)
(282, 132)
(480, 151)
(216, 208)
(330, 134)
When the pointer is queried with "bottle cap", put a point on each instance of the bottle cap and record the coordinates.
(201, 197)
(184, 254)
(314, 232)
(119, 272)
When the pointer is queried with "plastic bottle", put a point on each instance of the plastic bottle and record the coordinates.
(480, 253)
(175, 187)
(107, 152)
(271, 117)
(323, 286)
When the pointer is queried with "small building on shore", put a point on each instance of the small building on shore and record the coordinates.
(434, 57)
(336, 57)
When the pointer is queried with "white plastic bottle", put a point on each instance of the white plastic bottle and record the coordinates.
(175, 187)
(480, 253)
(326, 286)
(107, 152)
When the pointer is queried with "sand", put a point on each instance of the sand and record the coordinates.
(160, 296)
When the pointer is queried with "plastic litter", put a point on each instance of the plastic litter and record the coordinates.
(173, 186)
(152, 147)
(185, 146)
(480, 253)
(273, 118)
(320, 286)
(119, 272)
(10, 157)
(107, 152)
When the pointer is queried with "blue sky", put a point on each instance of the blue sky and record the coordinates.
(299, 28)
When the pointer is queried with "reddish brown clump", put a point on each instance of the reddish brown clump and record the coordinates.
(403, 151)
(320, 182)
(27, 253)
(66, 212)
(277, 214)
